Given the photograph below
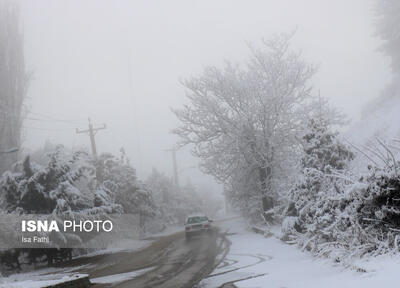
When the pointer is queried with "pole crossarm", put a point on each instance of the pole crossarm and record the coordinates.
(92, 132)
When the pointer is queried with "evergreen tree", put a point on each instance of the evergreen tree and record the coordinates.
(311, 205)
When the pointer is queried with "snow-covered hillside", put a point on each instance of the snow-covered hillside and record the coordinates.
(381, 117)
(380, 120)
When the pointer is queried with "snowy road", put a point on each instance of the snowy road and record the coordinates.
(235, 257)
(170, 261)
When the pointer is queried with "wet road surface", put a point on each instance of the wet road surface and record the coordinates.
(174, 262)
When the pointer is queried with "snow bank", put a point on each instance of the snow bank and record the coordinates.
(118, 278)
(39, 281)
(268, 262)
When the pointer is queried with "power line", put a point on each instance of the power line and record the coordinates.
(47, 120)
(32, 119)
(50, 118)
(56, 119)
(45, 129)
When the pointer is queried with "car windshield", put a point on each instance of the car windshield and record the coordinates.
(197, 219)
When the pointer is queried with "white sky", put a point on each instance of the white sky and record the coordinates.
(79, 52)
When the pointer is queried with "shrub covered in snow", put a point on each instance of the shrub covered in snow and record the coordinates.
(341, 217)
(317, 199)
(378, 207)
(120, 184)
(71, 183)
(324, 158)
(63, 185)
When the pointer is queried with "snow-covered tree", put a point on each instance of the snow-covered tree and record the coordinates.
(248, 116)
(324, 159)
(388, 29)
(33, 189)
(62, 187)
(243, 194)
(123, 186)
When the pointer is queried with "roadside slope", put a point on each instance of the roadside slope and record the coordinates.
(255, 261)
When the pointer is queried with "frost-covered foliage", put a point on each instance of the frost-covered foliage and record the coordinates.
(244, 120)
(63, 185)
(243, 194)
(338, 216)
(322, 150)
(378, 207)
(316, 198)
(120, 181)
(362, 220)
(324, 155)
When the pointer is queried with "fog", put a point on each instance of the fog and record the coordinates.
(121, 62)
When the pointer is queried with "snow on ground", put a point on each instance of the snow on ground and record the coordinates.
(50, 276)
(39, 277)
(268, 262)
(32, 280)
(39, 281)
(118, 278)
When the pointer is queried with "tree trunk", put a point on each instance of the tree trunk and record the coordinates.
(13, 83)
(265, 180)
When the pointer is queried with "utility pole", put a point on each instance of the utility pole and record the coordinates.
(174, 165)
(91, 132)
(320, 104)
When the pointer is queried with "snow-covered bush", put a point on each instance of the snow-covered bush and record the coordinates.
(120, 183)
(336, 214)
(324, 158)
(362, 220)
(316, 200)
(379, 208)
(342, 217)
(63, 186)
